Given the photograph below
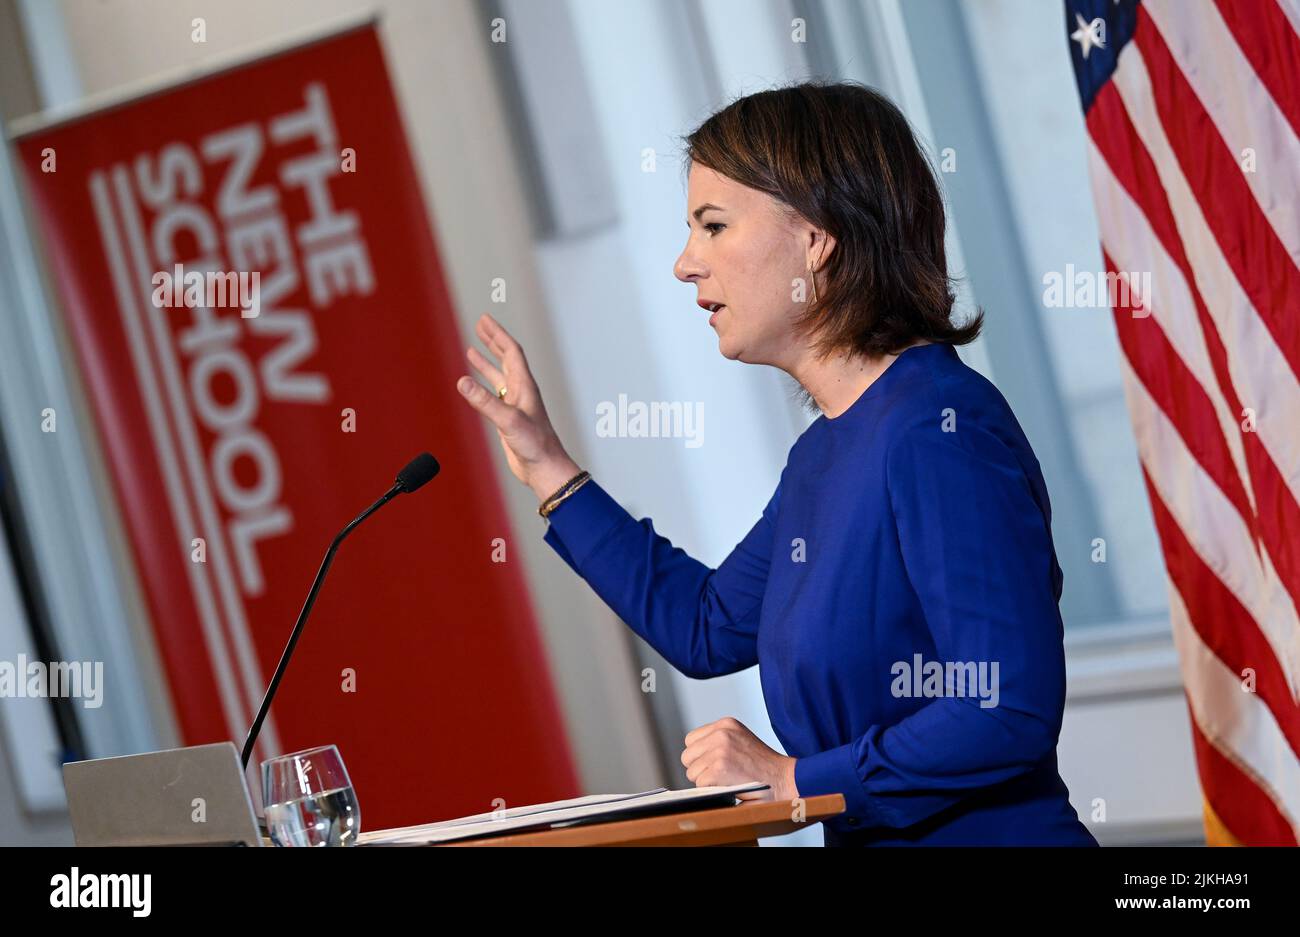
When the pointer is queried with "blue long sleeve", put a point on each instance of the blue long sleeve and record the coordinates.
(977, 552)
(703, 621)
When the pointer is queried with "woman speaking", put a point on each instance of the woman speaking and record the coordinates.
(900, 588)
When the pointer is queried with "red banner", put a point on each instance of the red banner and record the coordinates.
(257, 304)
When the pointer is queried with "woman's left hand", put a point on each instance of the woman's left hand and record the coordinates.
(726, 752)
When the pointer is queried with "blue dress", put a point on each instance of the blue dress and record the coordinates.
(900, 596)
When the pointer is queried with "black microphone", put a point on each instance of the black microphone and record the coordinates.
(416, 473)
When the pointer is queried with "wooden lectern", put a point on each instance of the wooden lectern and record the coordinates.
(741, 825)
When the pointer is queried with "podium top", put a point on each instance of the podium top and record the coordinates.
(741, 825)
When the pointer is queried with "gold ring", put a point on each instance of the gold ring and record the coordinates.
(501, 392)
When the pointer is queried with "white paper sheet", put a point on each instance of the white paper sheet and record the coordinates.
(554, 813)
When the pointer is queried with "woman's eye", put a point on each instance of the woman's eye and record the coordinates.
(712, 225)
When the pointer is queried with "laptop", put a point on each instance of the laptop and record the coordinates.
(195, 796)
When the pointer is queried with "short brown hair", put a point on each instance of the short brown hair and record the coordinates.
(844, 158)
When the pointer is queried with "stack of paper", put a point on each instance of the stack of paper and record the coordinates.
(559, 813)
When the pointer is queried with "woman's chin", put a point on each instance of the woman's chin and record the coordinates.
(728, 349)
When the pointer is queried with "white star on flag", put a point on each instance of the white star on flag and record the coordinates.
(1089, 34)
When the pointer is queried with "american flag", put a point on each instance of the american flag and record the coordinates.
(1193, 117)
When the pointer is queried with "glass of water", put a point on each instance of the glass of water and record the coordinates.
(309, 799)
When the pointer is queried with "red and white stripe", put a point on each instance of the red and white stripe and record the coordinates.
(1212, 368)
(222, 615)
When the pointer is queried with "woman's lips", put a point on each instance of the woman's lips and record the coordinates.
(713, 319)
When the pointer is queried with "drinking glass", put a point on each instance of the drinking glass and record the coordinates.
(309, 799)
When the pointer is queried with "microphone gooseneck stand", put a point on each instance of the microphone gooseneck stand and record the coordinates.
(302, 620)
(422, 468)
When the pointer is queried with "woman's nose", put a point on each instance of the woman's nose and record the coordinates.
(687, 269)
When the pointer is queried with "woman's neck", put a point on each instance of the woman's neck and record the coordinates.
(835, 382)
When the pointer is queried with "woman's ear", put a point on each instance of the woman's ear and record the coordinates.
(820, 247)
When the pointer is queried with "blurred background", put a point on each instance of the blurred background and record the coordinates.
(551, 162)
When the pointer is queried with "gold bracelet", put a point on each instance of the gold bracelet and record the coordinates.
(560, 500)
(568, 488)
(559, 491)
